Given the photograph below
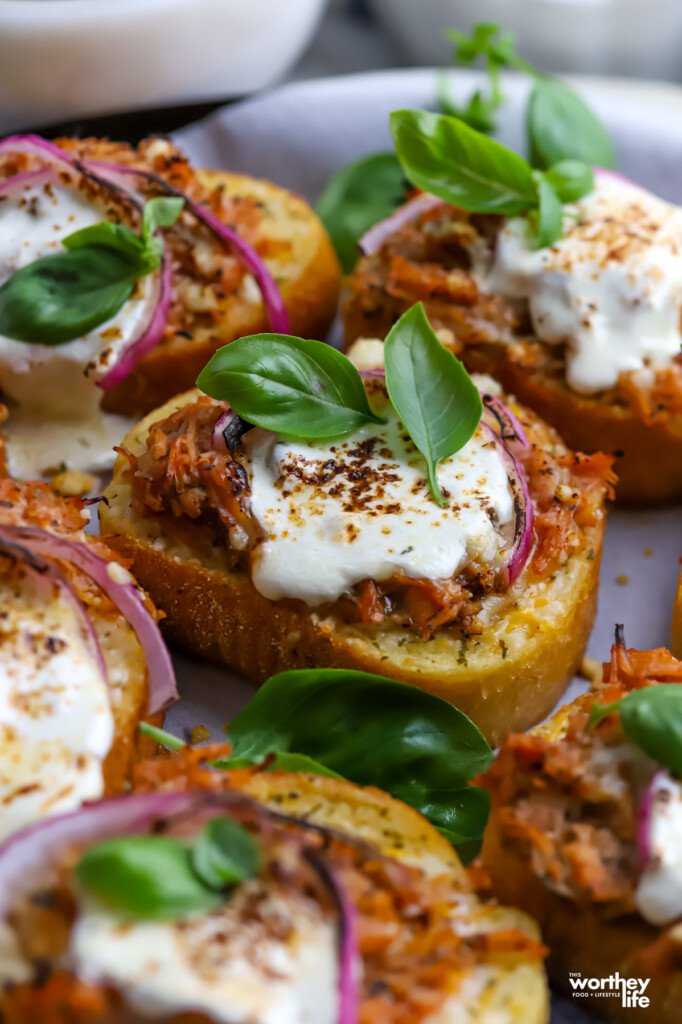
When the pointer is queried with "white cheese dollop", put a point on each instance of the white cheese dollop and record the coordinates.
(51, 390)
(56, 724)
(610, 288)
(659, 892)
(335, 513)
(260, 958)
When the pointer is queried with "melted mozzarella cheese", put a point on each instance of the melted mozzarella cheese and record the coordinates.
(58, 382)
(659, 892)
(360, 508)
(56, 724)
(610, 288)
(262, 958)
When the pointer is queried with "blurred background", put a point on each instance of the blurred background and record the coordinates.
(67, 62)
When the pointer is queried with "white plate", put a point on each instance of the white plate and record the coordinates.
(297, 136)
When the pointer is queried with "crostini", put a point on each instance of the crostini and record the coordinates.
(272, 554)
(106, 311)
(256, 897)
(586, 332)
(585, 835)
(81, 659)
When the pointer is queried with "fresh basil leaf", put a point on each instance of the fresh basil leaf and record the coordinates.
(550, 218)
(105, 235)
(478, 113)
(290, 762)
(145, 876)
(561, 126)
(61, 297)
(434, 396)
(224, 853)
(571, 180)
(374, 731)
(444, 156)
(302, 388)
(160, 212)
(356, 198)
(651, 718)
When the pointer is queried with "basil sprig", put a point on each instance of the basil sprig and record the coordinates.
(559, 124)
(436, 399)
(357, 197)
(442, 155)
(159, 877)
(307, 389)
(651, 718)
(63, 296)
(373, 731)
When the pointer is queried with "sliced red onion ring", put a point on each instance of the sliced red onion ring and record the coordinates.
(163, 689)
(349, 955)
(644, 819)
(373, 239)
(503, 421)
(604, 172)
(158, 302)
(523, 508)
(18, 182)
(34, 145)
(272, 297)
(49, 572)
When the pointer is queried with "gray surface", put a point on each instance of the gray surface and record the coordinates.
(301, 133)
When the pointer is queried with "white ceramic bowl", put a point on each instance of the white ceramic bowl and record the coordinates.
(606, 37)
(61, 59)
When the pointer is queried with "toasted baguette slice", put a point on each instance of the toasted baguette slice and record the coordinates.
(586, 940)
(305, 268)
(508, 678)
(34, 504)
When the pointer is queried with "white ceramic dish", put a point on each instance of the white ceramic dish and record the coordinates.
(607, 37)
(61, 59)
(297, 136)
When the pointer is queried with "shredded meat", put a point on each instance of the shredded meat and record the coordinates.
(409, 947)
(428, 260)
(181, 476)
(570, 805)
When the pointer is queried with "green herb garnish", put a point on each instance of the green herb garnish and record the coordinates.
(652, 719)
(307, 389)
(436, 399)
(64, 296)
(356, 198)
(373, 731)
(442, 155)
(559, 124)
(162, 878)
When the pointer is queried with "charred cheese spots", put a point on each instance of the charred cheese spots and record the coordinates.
(335, 513)
(265, 957)
(610, 289)
(56, 724)
(58, 382)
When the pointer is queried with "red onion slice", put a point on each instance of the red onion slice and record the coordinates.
(34, 145)
(503, 421)
(158, 302)
(272, 297)
(349, 954)
(523, 508)
(373, 239)
(53, 577)
(33, 179)
(163, 689)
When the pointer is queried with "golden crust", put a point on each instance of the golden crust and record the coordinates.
(308, 275)
(505, 682)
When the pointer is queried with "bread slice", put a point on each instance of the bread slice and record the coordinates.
(585, 940)
(676, 632)
(305, 268)
(507, 679)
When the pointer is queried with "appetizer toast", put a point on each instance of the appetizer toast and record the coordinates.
(575, 838)
(507, 309)
(504, 659)
(78, 675)
(337, 870)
